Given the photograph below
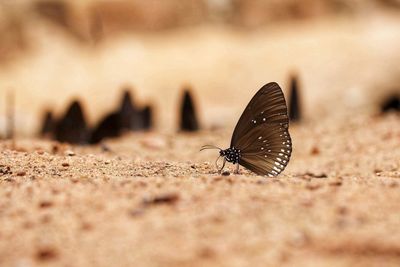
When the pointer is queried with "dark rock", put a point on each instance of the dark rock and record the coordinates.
(188, 116)
(109, 127)
(48, 125)
(294, 100)
(146, 116)
(129, 113)
(72, 127)
(392, 103)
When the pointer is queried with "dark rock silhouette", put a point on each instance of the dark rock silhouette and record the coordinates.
(126, 118)
(108, 127)
(188, 118)
(392, 103)
(129, 114)
(294, 100)
(72, 127)
(146, 116)
(48, 125)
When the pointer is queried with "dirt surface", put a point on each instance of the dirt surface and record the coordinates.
(154, 200)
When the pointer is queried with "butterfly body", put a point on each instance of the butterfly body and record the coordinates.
(231, 155)
(261, 141)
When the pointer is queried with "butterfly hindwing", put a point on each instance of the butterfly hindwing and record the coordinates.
(267, 151)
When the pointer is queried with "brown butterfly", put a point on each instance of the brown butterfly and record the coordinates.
(261, 141)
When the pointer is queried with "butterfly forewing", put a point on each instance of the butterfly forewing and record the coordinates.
(262, 134)
(267, 106)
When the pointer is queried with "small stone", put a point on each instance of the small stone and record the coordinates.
(105, 148)
(226, 173)
(46, 254)
(306, 202)
(86, 226)
(207, 252)
(315, 151)
(65, 164)
(70, 153)
(55, 148)
(314, 175)
(46, 219)
(218, 178)
(45, 204)
(342, 210)
(335, 183)
(313, 187)
(167, 198)
(21, 173)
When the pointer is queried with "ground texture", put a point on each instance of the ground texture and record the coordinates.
(153, 200)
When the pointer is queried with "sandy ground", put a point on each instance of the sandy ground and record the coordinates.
(154, 200)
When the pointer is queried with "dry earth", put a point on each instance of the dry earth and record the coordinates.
(154, 200)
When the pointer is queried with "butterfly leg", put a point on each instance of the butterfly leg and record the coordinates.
(223, 165)
(237, 169)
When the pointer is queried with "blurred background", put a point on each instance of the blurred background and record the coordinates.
(345, 53)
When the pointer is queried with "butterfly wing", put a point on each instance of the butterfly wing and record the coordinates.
(266, 149)
(262, 133)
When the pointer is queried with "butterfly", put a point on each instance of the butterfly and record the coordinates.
(261, 141)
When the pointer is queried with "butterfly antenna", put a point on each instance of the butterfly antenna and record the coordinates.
(209, 147)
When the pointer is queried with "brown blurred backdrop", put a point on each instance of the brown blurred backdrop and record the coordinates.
(346, 54)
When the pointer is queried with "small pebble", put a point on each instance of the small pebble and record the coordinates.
(65, 164)
(226, 173)
(45, 204)
(313, 187)
(335, 183)
(21, 173)
(46, 254)
(55, 148)
(315, 151)
(70, 153)
(314, 175)
(105, 148)
(167, 198)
